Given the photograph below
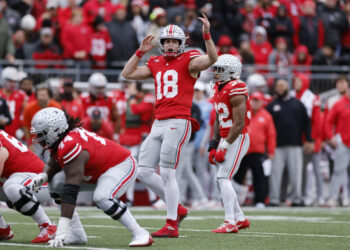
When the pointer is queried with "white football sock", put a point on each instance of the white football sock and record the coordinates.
(171, 192)
(3, 223)
(152, 180)
(151, 195)
(238, 211)
(130, 223)
(41, 217)
(228, 196)
(130, 192)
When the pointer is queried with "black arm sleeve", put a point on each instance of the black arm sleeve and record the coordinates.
(307, 124)
(4, 111)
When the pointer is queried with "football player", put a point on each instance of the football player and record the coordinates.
(16, 99)
(18, 166)
(175, 73)
(89, 162)
(230, 139)
(98, 98)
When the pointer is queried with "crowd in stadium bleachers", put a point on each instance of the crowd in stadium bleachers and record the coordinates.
(299, 147)
(302, 32)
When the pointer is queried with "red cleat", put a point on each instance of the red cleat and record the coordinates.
(182, 213)
(226, 227)
(47, 232)
(243, 224)
(6, 233)
(170, 230)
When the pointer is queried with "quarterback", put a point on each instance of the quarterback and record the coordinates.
(90, 163)
(175, 73)
(230, 139)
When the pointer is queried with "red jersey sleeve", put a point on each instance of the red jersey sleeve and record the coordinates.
(194, 53)
(331, 120)
(238, 88)
(68, 150)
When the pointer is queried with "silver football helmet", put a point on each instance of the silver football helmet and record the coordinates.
(9, 78)
(172, 32)
(98, 84)
(227, 67)
(47, 126)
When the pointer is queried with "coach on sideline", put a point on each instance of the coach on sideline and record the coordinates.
(291, 122)
(338, 136)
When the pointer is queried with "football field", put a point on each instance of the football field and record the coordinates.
(271, 228)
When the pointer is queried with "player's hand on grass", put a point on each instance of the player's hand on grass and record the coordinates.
(38, 181)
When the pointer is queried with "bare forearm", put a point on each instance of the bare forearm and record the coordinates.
(130, 67)
(235, 130)
(211, 51)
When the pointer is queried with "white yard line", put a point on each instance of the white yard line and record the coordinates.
(46, 246)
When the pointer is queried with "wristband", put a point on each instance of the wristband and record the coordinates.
(225, 144)
(63, 225)
(206, 36)
(139, 53)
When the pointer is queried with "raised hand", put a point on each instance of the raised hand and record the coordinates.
(146, 44)
(206, 23)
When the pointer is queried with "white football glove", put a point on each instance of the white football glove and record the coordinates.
(38, 181)
(62, 229)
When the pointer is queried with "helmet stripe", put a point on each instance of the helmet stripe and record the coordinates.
(171, 29)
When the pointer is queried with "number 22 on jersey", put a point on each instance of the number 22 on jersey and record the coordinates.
(166, 84)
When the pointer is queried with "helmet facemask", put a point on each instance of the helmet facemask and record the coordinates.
(47, 126)
(172, 32)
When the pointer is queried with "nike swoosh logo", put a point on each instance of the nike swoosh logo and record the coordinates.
(172, 128)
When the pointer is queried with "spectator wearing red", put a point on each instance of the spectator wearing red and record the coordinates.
(302, 58)
(312, 104)
(341, 84)
(257, 83)
(264, 12)
(93, 8)
(263, 139)
(51, 15)
(280, 57)
(70, 101)
(65, 14)
(101, 43)
(76, 38)
(95, 123)
(260, 46)
(310, 31)
(338, 137)
(225, 46)
(246, 17)
(45, 48)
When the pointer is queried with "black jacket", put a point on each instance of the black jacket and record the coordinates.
(291, 121)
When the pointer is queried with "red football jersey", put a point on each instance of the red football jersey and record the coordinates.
(224, 108)
(173, 84)
(20, 158)
(100, 43)
(15, 103)
(103, 104)
(103, 153)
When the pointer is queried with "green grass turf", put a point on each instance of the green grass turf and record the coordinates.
(275, 228)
